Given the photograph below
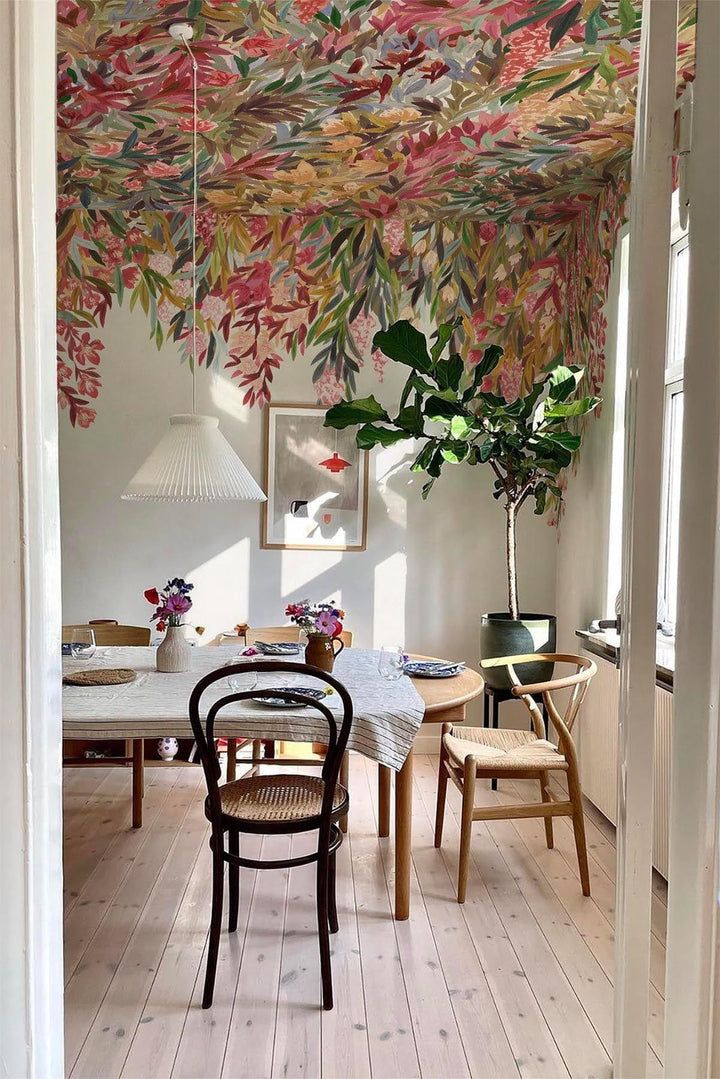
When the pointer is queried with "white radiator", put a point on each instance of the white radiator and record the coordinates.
(597, 739)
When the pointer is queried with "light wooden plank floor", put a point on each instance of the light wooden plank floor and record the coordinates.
(518, 982)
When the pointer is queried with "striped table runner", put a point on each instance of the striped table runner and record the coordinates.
(387, 714)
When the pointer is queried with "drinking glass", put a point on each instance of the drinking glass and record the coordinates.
(241, 681)
(82, 643)
(391, 661)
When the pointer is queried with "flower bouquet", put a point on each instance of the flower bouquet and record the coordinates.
(174, 654)
(322, 622)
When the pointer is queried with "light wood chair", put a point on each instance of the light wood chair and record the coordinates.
(469, 753)
(281, 634)
(108, 634)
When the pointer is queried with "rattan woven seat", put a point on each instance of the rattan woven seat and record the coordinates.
(503, 749)
(471, 753)
(277, 798)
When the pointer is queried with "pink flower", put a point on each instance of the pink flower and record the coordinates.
(130, 275)
(88, 383)
(133, 184)
(308, 9)
(220, 78)
(511, 380)
(488, 231)
(178, 604)
(161, 263)
(326, 622)
(161, 169)
(250, 651)
(84, 416)
(186, 124)
(85, 350)
(64, 202)
(106, 149)
(505, 295)
(263, 45)
(85, 173)
(329, 388)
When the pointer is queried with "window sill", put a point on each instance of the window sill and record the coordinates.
(606, 645)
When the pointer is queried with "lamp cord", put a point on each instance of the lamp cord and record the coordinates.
(194, 219)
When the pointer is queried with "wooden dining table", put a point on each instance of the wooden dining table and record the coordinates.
(442, 699)
(446, 701)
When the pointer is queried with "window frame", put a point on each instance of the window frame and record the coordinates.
(674, 375)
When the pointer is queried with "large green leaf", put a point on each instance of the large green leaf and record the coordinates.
(438, 409)
(563, 438)
(404, 344)
(455, 452)
(370, 435)
(410, 418)
(491, 358)
(448, 372)
(561, 409)
(361, 410)
(563, 381)
(441, 336)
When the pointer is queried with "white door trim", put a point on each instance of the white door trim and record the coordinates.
(692, 932)
(650, 207)
(30, 761)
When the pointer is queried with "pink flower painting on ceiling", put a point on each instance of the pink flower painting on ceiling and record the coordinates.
(356, 160)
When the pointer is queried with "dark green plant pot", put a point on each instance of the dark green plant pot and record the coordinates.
(500, 635)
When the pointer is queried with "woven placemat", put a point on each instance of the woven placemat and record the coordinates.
(107, 676)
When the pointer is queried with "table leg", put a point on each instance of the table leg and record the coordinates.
(137, 782)
(384, 781)
(496, 721)
(344, 778)
(486, 710)
(231, 770)
(403, 838)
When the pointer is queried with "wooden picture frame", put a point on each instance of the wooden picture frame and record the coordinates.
(309, 509)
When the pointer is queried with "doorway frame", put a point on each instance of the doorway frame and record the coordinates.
(31, 956)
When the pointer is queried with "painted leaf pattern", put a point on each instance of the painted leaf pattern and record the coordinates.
(359, 161)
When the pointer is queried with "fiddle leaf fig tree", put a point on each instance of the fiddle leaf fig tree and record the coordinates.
(526, 442)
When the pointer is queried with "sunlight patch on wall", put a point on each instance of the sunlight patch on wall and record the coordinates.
(299, 569)
(219, 609)
(389, 605)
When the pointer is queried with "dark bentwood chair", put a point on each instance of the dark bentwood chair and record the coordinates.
(273, 805)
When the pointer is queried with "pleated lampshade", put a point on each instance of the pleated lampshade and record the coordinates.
(193, 462)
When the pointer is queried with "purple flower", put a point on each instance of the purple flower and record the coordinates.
(178, 604)
(326, 622)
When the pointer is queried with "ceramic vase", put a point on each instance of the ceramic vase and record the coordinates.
(174, 653)
(167, 748)
(321, 650)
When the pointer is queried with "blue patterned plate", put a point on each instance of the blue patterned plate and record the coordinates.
(282, 702)
(277, 648)
(425, 668)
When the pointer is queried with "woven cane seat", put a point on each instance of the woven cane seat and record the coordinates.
(276, 798)
(502, 749)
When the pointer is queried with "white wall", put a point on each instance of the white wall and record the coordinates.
(588, 554)
(429, 571)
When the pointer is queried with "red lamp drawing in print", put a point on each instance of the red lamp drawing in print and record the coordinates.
(336, 463)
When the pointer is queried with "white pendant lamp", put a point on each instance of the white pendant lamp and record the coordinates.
(193, 462)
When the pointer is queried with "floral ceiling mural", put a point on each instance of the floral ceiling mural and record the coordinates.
(358, 160)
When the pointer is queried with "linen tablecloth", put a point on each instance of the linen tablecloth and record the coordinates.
(387, 714)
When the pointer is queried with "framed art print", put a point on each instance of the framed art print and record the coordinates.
(316, 481)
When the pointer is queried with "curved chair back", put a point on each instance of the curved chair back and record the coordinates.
(585, 670)
(204, 732)
(108, 634)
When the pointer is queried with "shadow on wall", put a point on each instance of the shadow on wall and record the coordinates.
(429, 570)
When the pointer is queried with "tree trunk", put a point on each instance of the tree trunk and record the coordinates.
(510, 552)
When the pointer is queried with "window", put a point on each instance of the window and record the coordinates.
(677, 325)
